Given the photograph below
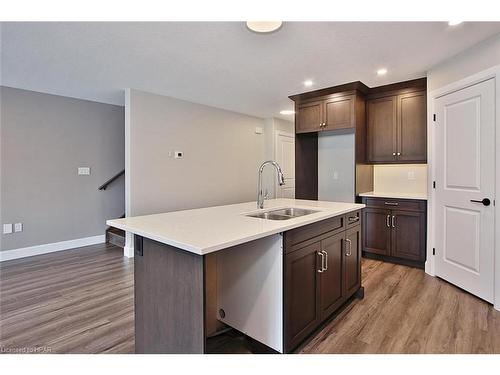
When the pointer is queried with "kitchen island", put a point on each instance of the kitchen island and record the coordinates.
(281, 271)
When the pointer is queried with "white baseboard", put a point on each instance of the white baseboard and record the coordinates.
(50, 247)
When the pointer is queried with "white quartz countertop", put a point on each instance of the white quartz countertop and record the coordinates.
(205, 230)
(378, 194)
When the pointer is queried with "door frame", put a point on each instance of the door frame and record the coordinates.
(493, 72)
(277, 134)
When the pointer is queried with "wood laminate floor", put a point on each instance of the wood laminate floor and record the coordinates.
(81, 301)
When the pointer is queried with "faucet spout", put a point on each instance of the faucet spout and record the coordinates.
(281, 180)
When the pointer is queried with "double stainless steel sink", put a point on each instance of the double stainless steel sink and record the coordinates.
(282, 213)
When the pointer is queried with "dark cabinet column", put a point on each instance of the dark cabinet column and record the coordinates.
(301, 293)
(331, 282)
(352, 260)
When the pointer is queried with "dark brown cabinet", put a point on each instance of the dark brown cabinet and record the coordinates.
(331, 279)
(381, 129)
(395, 230)
(322, 271)
(330, 113)
(309, 117)
(302, 291)
(397, 128)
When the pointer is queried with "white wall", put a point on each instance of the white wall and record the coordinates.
(480, 57)
(44, 139)
(222, 154)
(336, 166)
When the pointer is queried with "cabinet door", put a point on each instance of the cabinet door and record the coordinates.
(339, 113)
(381, 130)
(301, 293)
(412, 127)
(377, 231)
(331, 282)
(352, 261)
(408, 235)
(309, 117)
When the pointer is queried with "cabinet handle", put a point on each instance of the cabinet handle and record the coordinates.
(393, 221)
(349, 248)
(393, 154)
(387, 221)
(326, 260)
(353, 219)
(322, 260)
(391, 203)
(399, 153)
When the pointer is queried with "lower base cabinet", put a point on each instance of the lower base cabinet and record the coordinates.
(395, 230)
(321, 273)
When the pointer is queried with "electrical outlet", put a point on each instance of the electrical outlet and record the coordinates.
(7, 228)
(335, 175)
(18, 227)
(83, 171)
(411, 175)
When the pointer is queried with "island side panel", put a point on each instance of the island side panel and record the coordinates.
(169, 299)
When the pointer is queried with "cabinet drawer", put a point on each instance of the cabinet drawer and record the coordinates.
(396, 204)
(298, 235)
(352, 219)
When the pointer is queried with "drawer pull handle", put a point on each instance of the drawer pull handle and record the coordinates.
(322, 255)
(348, 252)
(391, 203)
(387, 221)
(394, 221)
(353, 219)
(326, 260)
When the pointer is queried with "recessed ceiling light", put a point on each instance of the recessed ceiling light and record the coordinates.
(454, 23)
(382, 71)
(287, 112)
(308, 83)
(263, 27)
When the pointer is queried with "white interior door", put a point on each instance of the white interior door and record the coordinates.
(465, 175)
(285, 157)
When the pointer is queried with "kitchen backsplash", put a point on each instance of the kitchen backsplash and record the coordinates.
(400, 178)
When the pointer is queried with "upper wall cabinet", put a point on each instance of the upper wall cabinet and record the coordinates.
(330, 113)
(397, 128)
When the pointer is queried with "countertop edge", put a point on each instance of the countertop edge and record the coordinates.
(225, 245)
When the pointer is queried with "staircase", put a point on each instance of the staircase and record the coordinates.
(114, 236)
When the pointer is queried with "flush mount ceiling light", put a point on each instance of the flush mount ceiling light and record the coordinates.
(382, 71)
(454, 23)
(264, 27)
(308, 83)
(287, 112)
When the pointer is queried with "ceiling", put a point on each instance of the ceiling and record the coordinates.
(222, 64)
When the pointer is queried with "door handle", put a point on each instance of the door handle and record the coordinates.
(326, 260)
(484, 201)
(322, 261)
(387, 221)
(393, 221)
(348, 242)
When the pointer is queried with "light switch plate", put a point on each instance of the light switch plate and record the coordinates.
(7, 228)
(18, 227)
(258, 130)
(83, 171)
